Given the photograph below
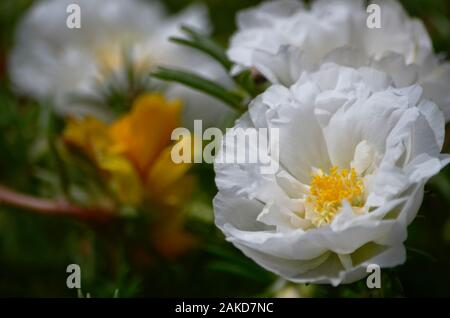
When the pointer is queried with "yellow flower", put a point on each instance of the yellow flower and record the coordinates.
(134, 151)
(145, 132)
(88, 135)
(123, 178)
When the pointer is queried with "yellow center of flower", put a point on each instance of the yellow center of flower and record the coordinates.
(327, 191)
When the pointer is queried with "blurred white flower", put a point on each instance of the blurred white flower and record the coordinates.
(281, 39)
(52, 62)
(355, 153)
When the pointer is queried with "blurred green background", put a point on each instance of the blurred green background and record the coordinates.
(35, 250)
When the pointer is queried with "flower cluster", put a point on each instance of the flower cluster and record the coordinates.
(360, 113)
(83, 72)
(134, 151)
(281, 39)
(133, 157)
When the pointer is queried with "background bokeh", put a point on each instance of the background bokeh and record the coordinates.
(115, 257)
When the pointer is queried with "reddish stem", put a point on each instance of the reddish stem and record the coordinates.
(54, 207)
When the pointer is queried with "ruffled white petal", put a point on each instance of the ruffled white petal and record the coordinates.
(343, 116)
(283, 45)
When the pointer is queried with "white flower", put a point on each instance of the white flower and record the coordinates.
(52, 62)
(354, 155)
(282, 38)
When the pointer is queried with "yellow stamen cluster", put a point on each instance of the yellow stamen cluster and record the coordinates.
(327, 191)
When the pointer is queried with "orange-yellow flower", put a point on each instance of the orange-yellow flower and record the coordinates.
(134, 153)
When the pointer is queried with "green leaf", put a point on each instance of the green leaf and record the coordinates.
(245, 80)
(238, 270)
(422, 253)
(202, 84)
(51, 134)
(205, 44)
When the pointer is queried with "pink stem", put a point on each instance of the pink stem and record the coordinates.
(54, 207)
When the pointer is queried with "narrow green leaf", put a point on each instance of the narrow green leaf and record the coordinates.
(206, 46)
(52, 140)
(422, 253)
(202, 84)
(236, 269)
(246, 81)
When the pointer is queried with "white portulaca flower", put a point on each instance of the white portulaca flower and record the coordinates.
(283, 38)
(354, 155)
(52, 62)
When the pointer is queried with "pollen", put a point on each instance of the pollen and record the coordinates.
(327, 191)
